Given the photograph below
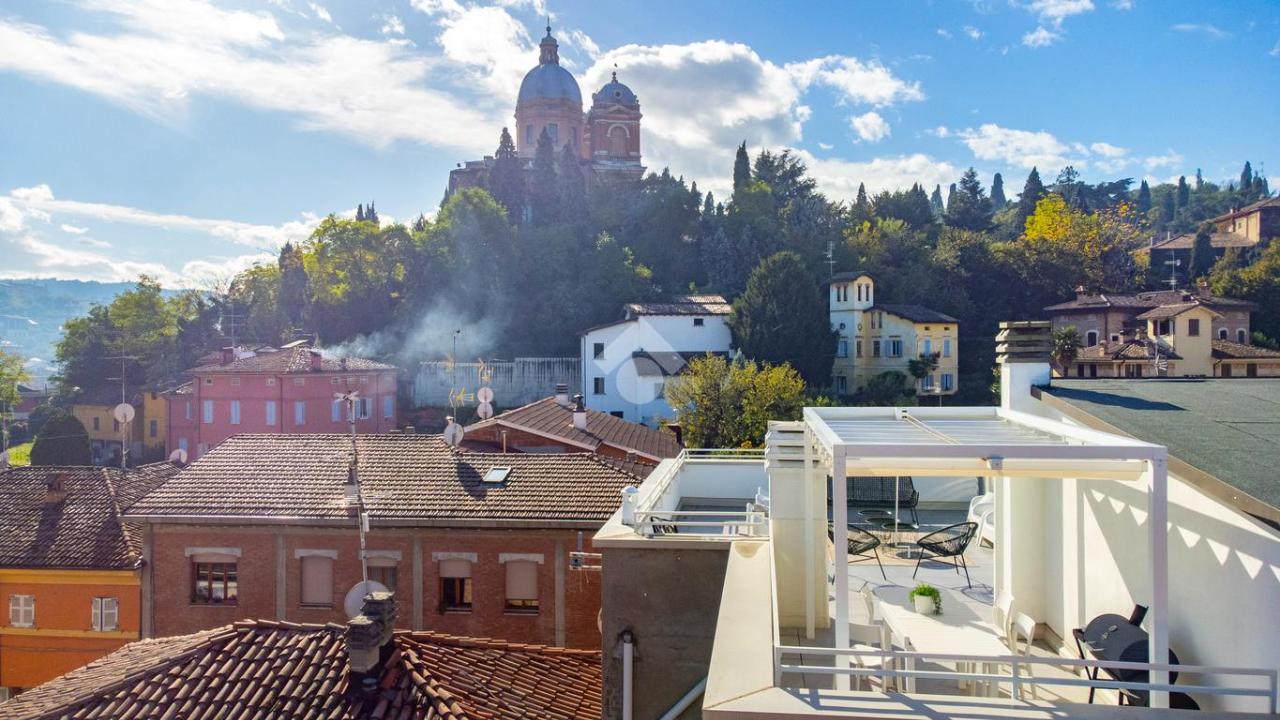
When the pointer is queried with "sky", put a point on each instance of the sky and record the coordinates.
(188, 139)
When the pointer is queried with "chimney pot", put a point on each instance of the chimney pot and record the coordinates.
(369, 633)
(562, 395)
(579, 413)
(317, 360)
(55, 488)
(228, 355)
(1080, 293)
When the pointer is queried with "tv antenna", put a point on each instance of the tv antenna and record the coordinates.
(353, 497)
(1173, 264)
(831, 258)
(123, 413)
(230, 318)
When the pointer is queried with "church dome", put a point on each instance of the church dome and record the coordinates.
(615, 92)
(549, 81)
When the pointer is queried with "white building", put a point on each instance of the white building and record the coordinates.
(625, 364)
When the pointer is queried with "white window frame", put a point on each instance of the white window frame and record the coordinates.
(235, 412)
(946, 347)
(335, 411)
(22, 611)
(388, 406)
(299, 412)
(269, 412)
(105, 614)
(206, 412)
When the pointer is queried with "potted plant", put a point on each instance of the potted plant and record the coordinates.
(927, 599)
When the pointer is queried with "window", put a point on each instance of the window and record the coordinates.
(1091, 338)
(895, 348)
(1164, 327)
(299, 412)
(573, 136)
(875, 348)
(95, 423)
(182, 444)
(206, 409)
(271, 382)
(455, 585)
(857, 347)
(335, 411)
(383, 571)
(597, 351)
(926, 382)
(106, 614)
(1251, 370)
(388, 406)
(1226, 370)
(842, 385)
(1133, 371)
(947, 381)
(553, 130)
(364, 408)
(235, 382)
(299, 381)
(522, 586)
(270, 412)
(22, 610)
(1093, 370)
(1222, 333)
(618, 414)
(946, 347)
(528, 134)
(1242, 337)
(208, 381)
(1193, 327)
(213, 583)
(698, 322)
(235, 412)
(1080, 371)
(154, 428)
(928, 347)
(1115, 337)
(597, 386)
(317, 581)
(187, 410)
(842, 348)
(115, 426)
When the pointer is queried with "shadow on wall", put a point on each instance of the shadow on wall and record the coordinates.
(1223, 579)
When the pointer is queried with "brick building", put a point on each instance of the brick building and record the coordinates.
(69, 567)
(290, 390)
(265, 669)
(472, 543)
(558, 424)
(1106, 316)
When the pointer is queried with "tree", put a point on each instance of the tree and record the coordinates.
(935, 202)
(1168, 208)
(295, 286)
(1032, 192)
(1258, 282)
(786, 175)
(573, 186)
(360, 212)
(544, 190)
(1202, 258)
(997, 192)
(782, 317)
(911, 206)
(1246, 179)
(371, 215)
(1065, 347)
(1144, 198)
(506, 179)
(887, 389)
(1184, 192)
(723, 404)
(62, 441)
(12, 372)
(923, 366)
(741, 168)
(969, 208)
(1199, 180)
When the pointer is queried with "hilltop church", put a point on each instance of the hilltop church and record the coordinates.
(606, 137)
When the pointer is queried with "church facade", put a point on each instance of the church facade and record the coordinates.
(606, 136)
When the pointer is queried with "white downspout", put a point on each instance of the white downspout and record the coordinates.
(628, 656)
(683, 703)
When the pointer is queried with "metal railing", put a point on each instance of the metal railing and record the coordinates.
(1020, 673)
(651, 521)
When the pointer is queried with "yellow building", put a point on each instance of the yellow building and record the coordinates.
(875, 338)
(94, 411)
(154, 426)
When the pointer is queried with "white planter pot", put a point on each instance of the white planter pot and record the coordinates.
(924, 604)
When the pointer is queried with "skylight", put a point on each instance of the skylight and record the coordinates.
(497, 474)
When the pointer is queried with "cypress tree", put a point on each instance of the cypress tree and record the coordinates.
(782, 316)
(371, 214)
(1246, 178)
(1167, 208)
(1144, 197)
(741, 168)
(1201, 254)
(951, 195)
(1199, 180)
(544, 191)
(1184, 192)
(573, 185)
(295, 285)
(1032, 193)
(360, 212)
(969, 208)
(862, 210)
(997, 192)
(935, 202)
(506, 179)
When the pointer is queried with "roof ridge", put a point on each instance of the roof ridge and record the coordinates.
(441, 638)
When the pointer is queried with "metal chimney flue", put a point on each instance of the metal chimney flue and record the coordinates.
(579, 413)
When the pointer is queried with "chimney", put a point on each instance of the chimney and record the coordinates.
(55, 488)
(678, 431)
(317, 360)
(1080, 293)
(1022, 351)
(562, 395)
(579, 413)
(369, 635)
(1202, 287)
(228, 355)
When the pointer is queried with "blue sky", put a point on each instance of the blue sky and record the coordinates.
(190, 138)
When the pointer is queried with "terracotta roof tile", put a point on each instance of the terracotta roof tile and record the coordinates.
(683, 305)
(1164, 312)
(402, 477)
(83, 529)
(549, 418)
(1124, 350)
(1147, 301)
(255, 670)
(916, 313)
(292, 360)
(1227, 350)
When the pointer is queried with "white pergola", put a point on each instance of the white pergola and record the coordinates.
(978, 441)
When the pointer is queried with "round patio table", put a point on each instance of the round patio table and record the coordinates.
(895, 525)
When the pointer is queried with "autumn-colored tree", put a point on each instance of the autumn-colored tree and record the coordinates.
(724, 404)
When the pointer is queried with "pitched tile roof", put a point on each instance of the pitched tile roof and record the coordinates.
(1250, 208)
(1186, 241)
(848, 275)
(84, 530)
(260, 670)
(1227, 350)
(916, 313)
(1164, 312)
(1147, 301)
(403, 478)
(292, 360)
(1124, 350)
(549, 418)
(683, 305)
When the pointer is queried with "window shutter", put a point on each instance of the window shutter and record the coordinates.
(454, 568)
(522, 580)
(317, 580)
(336, 413)
(97, 613)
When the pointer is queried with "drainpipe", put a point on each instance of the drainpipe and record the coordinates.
(628, 656)
(683, 703)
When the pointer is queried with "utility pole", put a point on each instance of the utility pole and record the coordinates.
(362, 518)
(124, 427)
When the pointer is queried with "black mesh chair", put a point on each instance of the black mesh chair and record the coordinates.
(950, 541)
(861, 542)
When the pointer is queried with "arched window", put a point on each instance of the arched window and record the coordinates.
(1222, 333)
(1091, 338)
(1241, 336)
(617, 141)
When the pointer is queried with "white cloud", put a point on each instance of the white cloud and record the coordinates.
(826, 146)
(1275, 51)
(839, 178)
(392, 25)
(321, 12)
(1040, 37)
(38, 258)
(1213, 32)
(1054, 11)
(1169, 159)
(1021, 148)
(943, 33)
(93, 242)
(870, 127)
(1108, 150)
(72, 229)
(857, 82)
(154, 56)
(492, 49)
(973, 32)
(1122, 4)
(940, 132)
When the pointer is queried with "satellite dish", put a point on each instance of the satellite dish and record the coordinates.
(354, 602)
(123, 413)
(453, 433)
(485, 394)
(484, 410)
(178, 456)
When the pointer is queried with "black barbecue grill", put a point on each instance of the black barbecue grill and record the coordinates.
(1115, 638)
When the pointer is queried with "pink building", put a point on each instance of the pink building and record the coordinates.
(285, 391)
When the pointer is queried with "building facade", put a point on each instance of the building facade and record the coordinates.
(626, 364)
(106, 435)
(1105, 317)
(286, 391)
(1247, 230)
(874, 338)
(472, 543)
